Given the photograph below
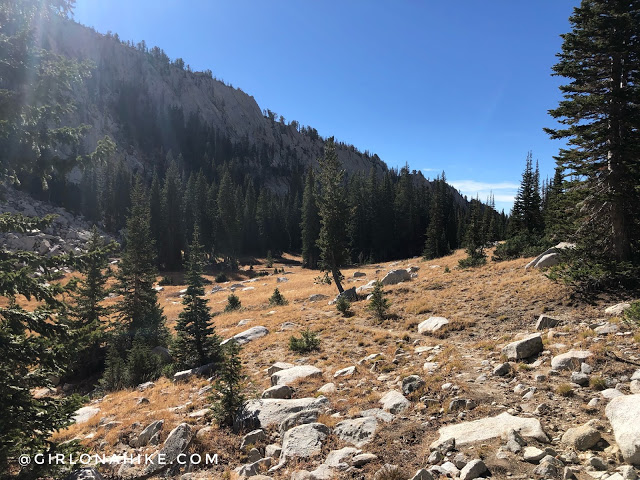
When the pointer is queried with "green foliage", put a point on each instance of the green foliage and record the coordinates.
(632, 314)
(310, 225)
(521, 245)
(221, 278)
(332, 209)
(343, 305)
(36, 347)
(277, 299)
(233, 303)
(269, 260)
(306, 343)
(598, 121)
(172, 219)
(133, 366)
(196, 343)
(474, 239)
(139, 312)
(437, 244)
(227, 401)
(378, 304)
(166, 280)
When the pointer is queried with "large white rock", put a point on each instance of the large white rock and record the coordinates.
(248, 335)
(525, 348)
(357, 431)
(83, 414)
(617, 309)
(570, 360)
(271, 411)
(624, 415)
(396, 276)
(549, 257)
(491, 427)
(290, 375)
(432, 324)
(176, 443)
(342, 456)
(303, 441)
(394, 402)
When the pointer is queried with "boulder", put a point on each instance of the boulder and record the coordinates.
(270, 411)
(278, 391)
(581, 438)
(317, 297)
(490, 427)
(84, 474)
(432, 324)
(624, 415)
(345, 372)
(290, 375)
(299, 418)
(411, 384)
(394, 402)
(472, 470)
(357, 431)
(378, 413)
(366, 287)
(163, 353)
(303, 441)
(502, 369)
(83, 414)
(337, 458)
(148, 432)
(327, 389)
(253, 438)
(570, 360)
(276, 367)
(395, 276)
(544, 322)
(248, 335)
(617, 309)
(362, 459)
(525, 348)
(350, 294)
(533, 454)
(359, 274)
(422, 474)
(253, 469)
(176, 443)
(282, 279)
(549, 257)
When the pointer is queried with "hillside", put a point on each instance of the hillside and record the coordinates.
(461, 377)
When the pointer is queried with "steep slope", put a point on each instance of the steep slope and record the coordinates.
(148, 104)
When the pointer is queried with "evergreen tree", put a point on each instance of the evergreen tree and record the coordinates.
(332, 208)
(228, 400)
(600, 115)
(526, 216)
(378, 304)
(196, 343)
(172, 219)
(33, 345)
(436, 244)
(139, 311)
(475, 238)
(88, 313)
(229, 220)
(310, 225)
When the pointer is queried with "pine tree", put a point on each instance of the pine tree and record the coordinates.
(228, 400)
(436, 244)
(475, 238)
(229, 220)
(526, 216)
(88, 313)
(332, 208)
(172, 219)
(601, 57)
(310, 225)
(277, 299)
(33, 345)
(139, 311)
(197, 343)
(378, 304)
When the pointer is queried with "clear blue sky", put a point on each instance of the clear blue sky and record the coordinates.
(460, 86)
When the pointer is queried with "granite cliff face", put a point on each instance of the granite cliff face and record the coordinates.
(138, 98)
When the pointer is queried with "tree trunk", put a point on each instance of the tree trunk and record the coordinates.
(336, 278)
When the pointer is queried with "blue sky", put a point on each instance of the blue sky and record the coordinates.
(460, 86)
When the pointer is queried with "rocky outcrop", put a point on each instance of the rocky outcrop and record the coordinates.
(624, 415)
(266, 412)
(395, 276)
(357, 431)
(248, 335)
(550, 257)
(432, 325)
(290, 375)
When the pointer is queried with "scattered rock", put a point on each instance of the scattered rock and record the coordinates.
(269, 411)
(581, 438)
(303, 441)
(83, 414)
(345, 372)
(317, 297)
(395, 276)
(525, 348)
(491, 427)
(362, 459)
(278, 391)
(248, 335)
(282, 280)
(359, 274)
(327, 389)
(502, 369)
(276, 367)
(432, 324)
(579, 378)
(617, 309)
(533, 454)
(394, 402)
(611, 393)
(147, 433)
(473, 469)
(624, 415)
(422, 474)
(544, 322)
(357, 431)
(336, 458)
(85, 474)
(411, 384)
(290, 375)
(570, 360)
(299, 418)
(176, 443)
(253, 438)
(350, 294)
(515, 442)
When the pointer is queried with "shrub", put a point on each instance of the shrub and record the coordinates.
(233, 303)
(472, 261)
(269, 260)
(564, 390)
(390, 472)
(308, 342)
(632, 314)
(522, 245)
(343, 305)
(447, 270)
(221, 278)
(165, 281)
(277, 298)
(597, 383)
(378, 303)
